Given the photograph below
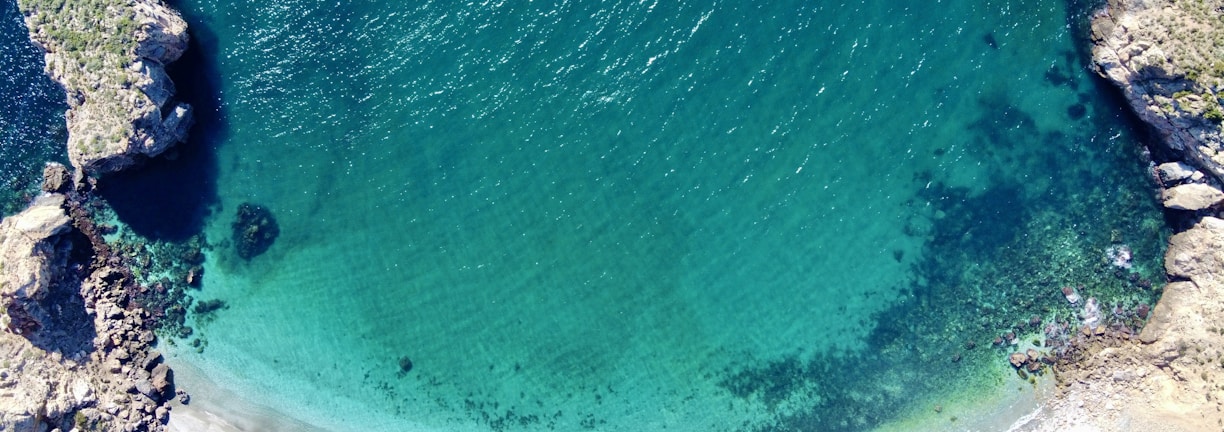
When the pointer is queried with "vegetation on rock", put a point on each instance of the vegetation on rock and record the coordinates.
(93, 42)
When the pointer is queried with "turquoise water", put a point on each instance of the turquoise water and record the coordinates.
(647, 216)
(32, 127)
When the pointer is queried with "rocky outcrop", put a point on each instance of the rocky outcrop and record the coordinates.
(32, 249)
(1167, 57)
(110, 56)
(1167, 378)
(76, 348)
(92, 370)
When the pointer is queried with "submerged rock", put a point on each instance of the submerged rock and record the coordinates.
(255, 230)
(1017, 359)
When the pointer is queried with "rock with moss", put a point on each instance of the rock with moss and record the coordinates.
(110, 56)
(1167, 56)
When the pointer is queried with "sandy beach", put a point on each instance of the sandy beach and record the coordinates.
(215, 409)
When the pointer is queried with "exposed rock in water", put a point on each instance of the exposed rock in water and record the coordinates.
(1017, 359)
(76, 345)
(1193, 196)
(1164, 56)
(255, 230)
(56, 178)
(78, 353)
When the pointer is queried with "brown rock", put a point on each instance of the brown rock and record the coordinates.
(56, 178)
(1033, 366)
(1017, 359)
(162, 377)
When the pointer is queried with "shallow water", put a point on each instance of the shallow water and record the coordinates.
(646, 216)
(32, 129)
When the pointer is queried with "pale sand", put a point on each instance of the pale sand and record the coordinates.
(1014, 406)
(216, 409)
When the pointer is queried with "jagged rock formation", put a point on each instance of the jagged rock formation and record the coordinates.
(110, 56)
(32, 249)
(1167, 56)
(75, 354)
(1167, 379)
(76, 350)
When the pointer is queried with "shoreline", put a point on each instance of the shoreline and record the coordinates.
(1066, 408)
(78, 341)
(237, 413)
(1158, 56)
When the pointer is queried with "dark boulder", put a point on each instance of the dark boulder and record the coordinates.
(254, 230)
(56, 178)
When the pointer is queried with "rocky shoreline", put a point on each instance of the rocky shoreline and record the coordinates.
(77, 345)
(1167, 58)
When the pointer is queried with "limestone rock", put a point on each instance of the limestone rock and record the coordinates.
(30, 251)
(1197, 254)
(122, 112)
(1193, 196)
(1175, 172)
(1132, 48)
(1171, 302)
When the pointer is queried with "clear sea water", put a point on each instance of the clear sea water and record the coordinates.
(785, 216)
(32, 129)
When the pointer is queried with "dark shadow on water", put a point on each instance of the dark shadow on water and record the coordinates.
(170, 197)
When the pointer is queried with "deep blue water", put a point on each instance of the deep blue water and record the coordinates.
(32, 128)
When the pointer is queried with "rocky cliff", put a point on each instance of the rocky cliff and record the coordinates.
(1167, 57)
(75, 348)
(110, 56)
(32, 251)
(75, 356)
(1169, 379)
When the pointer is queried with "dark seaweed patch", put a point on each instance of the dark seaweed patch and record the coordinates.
(1077, 111)
(989, 38)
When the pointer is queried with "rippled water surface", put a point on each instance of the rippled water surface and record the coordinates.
(644, 216)
(31, 116)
